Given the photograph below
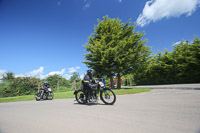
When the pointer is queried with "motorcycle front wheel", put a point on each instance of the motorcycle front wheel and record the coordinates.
(108, 96)
(50, 96)
(80, 97)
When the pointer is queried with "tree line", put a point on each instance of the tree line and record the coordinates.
(114, 49)
(17, 86)
(182, 65)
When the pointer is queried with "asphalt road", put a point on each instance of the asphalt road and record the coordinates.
(169, 86)
(158, 111)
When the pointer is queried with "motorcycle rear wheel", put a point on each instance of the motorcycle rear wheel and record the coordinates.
(37, 96)
(81, 97)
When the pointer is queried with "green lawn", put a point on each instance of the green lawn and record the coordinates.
(69, 94)
(130, 91)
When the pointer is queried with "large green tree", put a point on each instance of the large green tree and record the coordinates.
(114, 49)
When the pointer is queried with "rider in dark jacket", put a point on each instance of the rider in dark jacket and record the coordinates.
(45, 87)
(88, 83)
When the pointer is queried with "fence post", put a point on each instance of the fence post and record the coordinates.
(38, 87)
(73, 85)
(58, 85)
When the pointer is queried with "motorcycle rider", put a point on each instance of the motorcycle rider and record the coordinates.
(88, 83)
(45, 87)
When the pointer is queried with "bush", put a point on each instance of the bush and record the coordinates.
(19, 86)
(63, 89)
(5, 88)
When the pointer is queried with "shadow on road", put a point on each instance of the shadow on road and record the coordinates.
(91, 104)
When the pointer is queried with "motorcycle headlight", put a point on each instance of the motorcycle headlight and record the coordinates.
(101, 84)
(49, 89)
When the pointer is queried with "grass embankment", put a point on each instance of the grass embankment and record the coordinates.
(69, 94)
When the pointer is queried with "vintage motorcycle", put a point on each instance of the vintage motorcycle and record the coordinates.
(48, 95)
(107, 95)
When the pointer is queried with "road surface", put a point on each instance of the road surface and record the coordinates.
(158, 111)
(169, 86)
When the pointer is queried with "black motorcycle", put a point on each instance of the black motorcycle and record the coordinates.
(47, 95)
(107, 95)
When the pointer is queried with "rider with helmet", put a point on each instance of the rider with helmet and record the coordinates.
(88, 83)
(45, 87)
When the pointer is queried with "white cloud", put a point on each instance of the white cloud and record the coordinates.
(20, 75)
(82, 76)
(155, 10)
(2, 72)
(87, 5)
(67, 76)
(43, 76)
(38, 73)
(73, 69)
(176, 43)
(179, 42)
(35, 73)
(57, 72)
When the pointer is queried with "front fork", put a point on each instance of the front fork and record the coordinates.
(107, 96)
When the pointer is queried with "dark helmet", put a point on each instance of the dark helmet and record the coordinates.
(46, 83)
(89, 73)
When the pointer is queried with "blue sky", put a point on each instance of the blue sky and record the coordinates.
(39, 38)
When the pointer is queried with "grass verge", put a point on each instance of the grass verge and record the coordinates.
(130, 91)
(69, 94)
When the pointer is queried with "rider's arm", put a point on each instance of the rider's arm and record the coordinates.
(86, 82)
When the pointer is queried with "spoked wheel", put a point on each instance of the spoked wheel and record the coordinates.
(50, 95)
(81, 97)
(37, 96)
(108, 96)
(44, 97)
